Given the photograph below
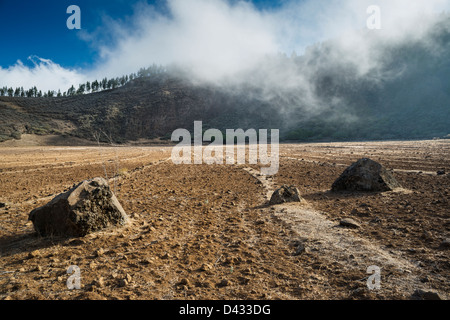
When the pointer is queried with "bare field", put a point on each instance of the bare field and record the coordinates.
(206, 231)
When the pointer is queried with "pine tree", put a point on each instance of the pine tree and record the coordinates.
(71, 91)
(95, 86)
(104, 83)
(81, 89)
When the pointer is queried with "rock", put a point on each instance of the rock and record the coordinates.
(445, 244)
(76, 242)
(128, 278)
(285, 194)
(2, 205)
(184, 282)
(123, 283)
(361, 213)
(440, 172)
(299, 250)
(206, 267)
(365, 175)
(247, 271)
(425, 295)
(203, 284)
(350, 223)
(145, 261)
(224, 283)
(99, 252)
(100, 282)
(34, 254)
(89, 206)
(165, 256)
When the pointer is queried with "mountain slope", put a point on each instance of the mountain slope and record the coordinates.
(145, 108)
(398, 90)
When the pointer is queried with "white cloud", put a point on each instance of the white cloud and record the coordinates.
(211, 37)
(44, 74)
(217, 38)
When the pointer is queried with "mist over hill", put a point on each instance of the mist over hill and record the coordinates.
(366, 86)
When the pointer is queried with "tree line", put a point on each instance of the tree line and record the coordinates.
(83, 88)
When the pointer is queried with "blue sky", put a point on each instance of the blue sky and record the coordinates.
(212, 38)
(38, 49)
(38, 28)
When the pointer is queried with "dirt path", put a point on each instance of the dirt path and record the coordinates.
(340, 245)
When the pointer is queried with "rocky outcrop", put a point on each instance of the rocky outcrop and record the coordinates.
(365, 175)
(285, 194)
(90, 206)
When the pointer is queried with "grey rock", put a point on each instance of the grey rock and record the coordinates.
(425, 295)
(349, 223)
(285, 194)
(365, 175)
(299, 250)
(88, 207)
(445, 244)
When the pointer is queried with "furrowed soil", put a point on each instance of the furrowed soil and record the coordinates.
(207, 231)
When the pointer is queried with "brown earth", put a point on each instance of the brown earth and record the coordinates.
(206, 231)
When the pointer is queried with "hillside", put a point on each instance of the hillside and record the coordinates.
(143, 109)
(324, 94)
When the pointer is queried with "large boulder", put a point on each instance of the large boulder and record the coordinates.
(285, 194)
(90, 206)
(365, 175)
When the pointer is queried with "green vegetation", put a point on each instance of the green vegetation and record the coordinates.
(83, 88)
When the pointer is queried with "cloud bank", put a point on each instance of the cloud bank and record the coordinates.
(221, 39)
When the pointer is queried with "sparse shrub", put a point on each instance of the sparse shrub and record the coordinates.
(16, 135)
